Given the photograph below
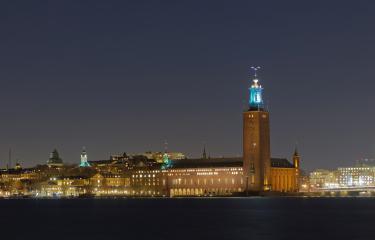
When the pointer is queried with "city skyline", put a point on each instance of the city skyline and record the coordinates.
(85, 75)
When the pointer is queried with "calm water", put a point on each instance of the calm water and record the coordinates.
(227, 218)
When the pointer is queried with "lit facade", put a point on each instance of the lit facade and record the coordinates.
(343, 178)
(356, 176)
(206, 181)
(109, 184)
(322, 179)
(284, 176)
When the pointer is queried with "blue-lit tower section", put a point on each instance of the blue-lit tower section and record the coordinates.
(167, 163)
(84, 161)
(255, 96)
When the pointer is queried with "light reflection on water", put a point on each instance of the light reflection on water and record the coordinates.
(200, 218)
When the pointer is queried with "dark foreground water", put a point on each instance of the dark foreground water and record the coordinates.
(179, 219)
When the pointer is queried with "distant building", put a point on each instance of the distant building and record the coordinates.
(68, 186)
(54, 159)
(159, 156)
(366, 162)
(18, 166)
(323, 179)
(109, 184)
(343, 178)
(356, 176)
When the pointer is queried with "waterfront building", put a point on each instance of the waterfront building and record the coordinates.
(323, 179)
(255, 172)
(49, 189)
(206, 177)
(172, 174)
(149, 182)
(356, 176)
(109, 184)
(68, 186)
(284, 176)
(217, 177)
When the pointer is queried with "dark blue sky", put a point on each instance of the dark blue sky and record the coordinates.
(120, 76)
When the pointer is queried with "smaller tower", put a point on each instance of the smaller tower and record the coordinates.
(167, 163)
(296, 163)
(296, 158)
(84, 162)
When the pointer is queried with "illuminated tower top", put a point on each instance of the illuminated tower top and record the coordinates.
(255, 93)
(84, 162)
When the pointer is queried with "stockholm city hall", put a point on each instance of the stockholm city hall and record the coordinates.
(261, 172)
(167, 175)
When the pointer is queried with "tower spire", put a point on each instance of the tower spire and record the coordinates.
(296, 157)
(204, 155)
(295, 150)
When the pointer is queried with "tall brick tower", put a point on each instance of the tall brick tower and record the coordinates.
(256, 140)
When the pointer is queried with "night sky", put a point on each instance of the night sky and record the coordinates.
(117, 76)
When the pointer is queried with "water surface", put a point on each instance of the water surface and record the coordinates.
(180, 219)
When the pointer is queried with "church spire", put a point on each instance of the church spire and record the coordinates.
(295, 151)
(296, 157)
(204, 155)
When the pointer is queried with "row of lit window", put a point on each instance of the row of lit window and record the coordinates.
(145, 175)
(205, 169)
(204, 181)
(151, 171)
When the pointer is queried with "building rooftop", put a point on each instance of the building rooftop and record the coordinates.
(225, 162)
(208, 162)
(281, 163)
